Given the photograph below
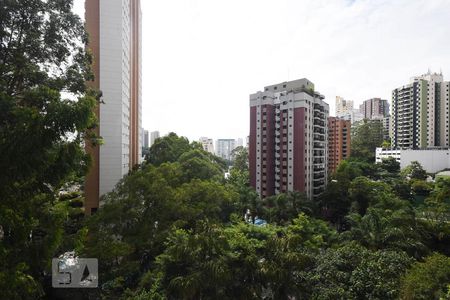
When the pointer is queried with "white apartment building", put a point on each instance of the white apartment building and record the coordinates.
(114, 27)
(153, 136)
(207, 144)
(224, 148)
(420, 113)
(432, 159)
(343, 107)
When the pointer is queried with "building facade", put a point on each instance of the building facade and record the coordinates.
(420, 113)
(224, 147)
(343, 107)
(153, 136)
(145, 139)
(432, 160)
(114, 27)
(339, 142)
(207, 144)
(288, 145)
(374, 109)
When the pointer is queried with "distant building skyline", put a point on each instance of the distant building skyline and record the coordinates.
(357, 69)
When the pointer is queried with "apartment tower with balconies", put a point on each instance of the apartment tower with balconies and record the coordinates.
(288, 144)
(420, 113)
(339, 142)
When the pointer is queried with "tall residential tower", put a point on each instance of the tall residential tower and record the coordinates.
(114, 28)
(420, 113)
(288, 146)
(375, 109)
(339, 142)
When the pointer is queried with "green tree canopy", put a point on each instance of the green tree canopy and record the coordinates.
(353, 272)
(414, 171)
(428, 279)
(366, 137)
(42, 61)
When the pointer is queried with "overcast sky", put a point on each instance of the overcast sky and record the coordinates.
(202, 58)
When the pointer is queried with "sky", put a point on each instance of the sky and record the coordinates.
(201, 59)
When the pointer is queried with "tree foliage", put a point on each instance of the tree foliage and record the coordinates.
(42, 60)
(414, 171)
(428, 279)
(366, 137)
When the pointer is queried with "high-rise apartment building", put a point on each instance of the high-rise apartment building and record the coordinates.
(224, 148)
(145, 139)
(114, 28)
(339, 141)
(420, 113)
(240, 142)
(153, 136)
(207, 144)
(345, 110)
(374, 109)
(288, 146)
(343, 107)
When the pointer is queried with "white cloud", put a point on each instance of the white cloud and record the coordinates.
(202, 58)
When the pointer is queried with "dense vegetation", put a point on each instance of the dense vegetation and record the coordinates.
(42, 58)
(179, 230)
(175, 227)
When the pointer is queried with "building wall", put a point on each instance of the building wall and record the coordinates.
(252, 149)
(381, 154)
(432, 160)
(115, 85)
(92, 193)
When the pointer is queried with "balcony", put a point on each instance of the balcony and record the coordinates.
(318, 168)
(319, 175)
(319, 123)
(318, 161)
(319, 130)
(319, 145)
(318, 183)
